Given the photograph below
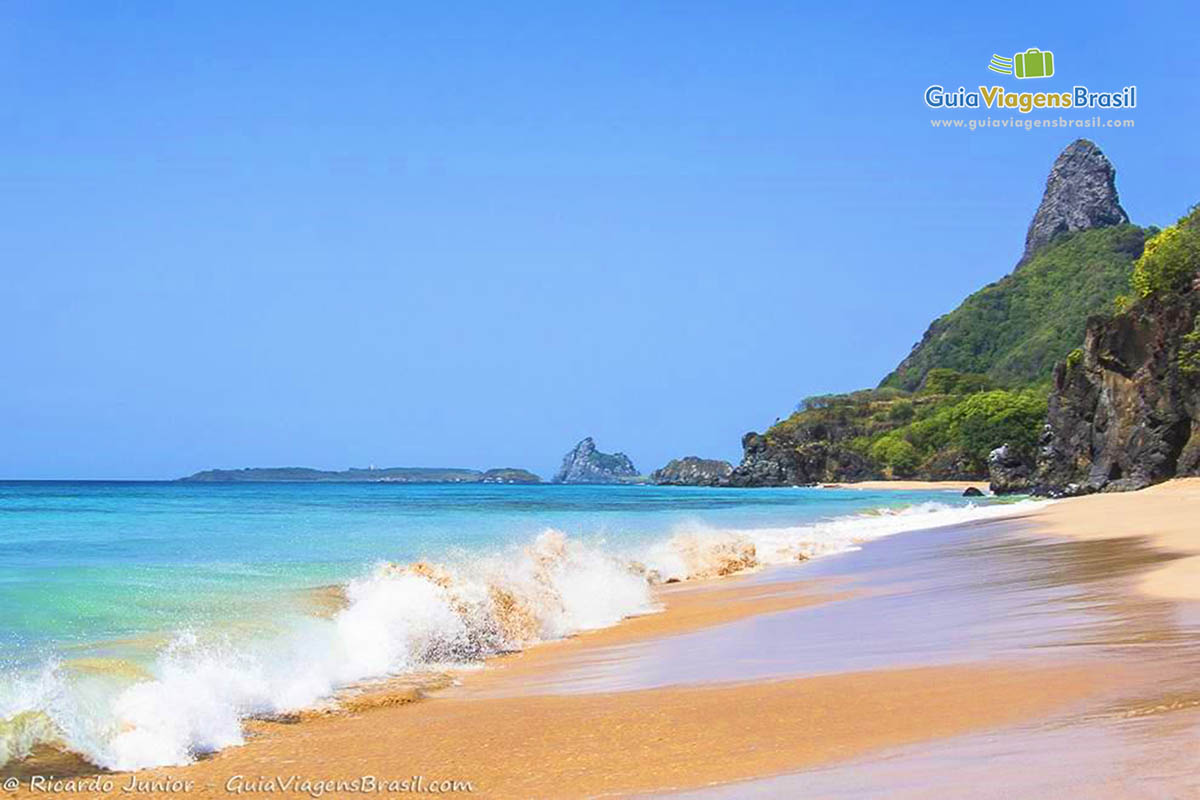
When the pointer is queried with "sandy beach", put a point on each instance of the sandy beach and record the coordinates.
(1167, 516)
(916, 641)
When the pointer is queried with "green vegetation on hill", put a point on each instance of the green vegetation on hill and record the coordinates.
(1015, 330)
(962, 430)
(980, 377)
(945, 429)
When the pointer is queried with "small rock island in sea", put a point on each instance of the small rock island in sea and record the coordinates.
(585, 464)
(693, 471)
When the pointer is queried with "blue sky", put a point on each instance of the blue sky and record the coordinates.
(469, 234)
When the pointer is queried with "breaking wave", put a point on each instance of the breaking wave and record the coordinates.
(397, 619)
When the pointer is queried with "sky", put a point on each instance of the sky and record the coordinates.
(470, 234)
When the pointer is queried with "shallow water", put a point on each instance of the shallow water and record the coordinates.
(955, 594)
(140, 623)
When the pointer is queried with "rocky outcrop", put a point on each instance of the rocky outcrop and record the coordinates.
(693, 471)
(950, 464)
(1080, 194)
(809, 455)
(586, 464)
(1125, 410)
(1010, 471)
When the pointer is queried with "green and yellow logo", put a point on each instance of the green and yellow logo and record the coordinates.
(1033, 63)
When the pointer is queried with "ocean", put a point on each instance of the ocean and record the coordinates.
(141, 623)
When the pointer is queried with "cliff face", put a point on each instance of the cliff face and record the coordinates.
(693, 471)
(585, 464)
(1125, 411)
(1080, 194)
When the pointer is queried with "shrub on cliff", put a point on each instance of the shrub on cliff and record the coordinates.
(942, 380)
(1189, 351)
(1171, 260)
(895, 454)
(982, 422)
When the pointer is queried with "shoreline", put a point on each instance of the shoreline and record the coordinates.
(528, 594)
(910, 486)
(375, 727)
(558, 745)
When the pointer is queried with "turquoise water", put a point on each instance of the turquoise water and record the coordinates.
(212, 583)
(82, 562)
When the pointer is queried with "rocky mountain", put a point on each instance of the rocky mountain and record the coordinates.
(585, 464)
(1125, 409)
(1081, 194)
(978, 378)
(1079, 254)
(692, 471)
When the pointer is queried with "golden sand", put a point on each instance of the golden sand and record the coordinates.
(1166, 515)
(581, 746)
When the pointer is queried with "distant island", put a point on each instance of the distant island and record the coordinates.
(363, 475)
(583, 463)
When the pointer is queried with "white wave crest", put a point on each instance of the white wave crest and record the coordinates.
(701, 552)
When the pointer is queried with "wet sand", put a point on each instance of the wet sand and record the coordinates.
(926, 664)
(686, 608)
(1167, 516)
(910, 486)
(586, 745)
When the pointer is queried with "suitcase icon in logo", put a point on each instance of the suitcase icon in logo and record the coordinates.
(1034, 63)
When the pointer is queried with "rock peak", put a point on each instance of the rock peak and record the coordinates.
(1081, 193)
(585, 464)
